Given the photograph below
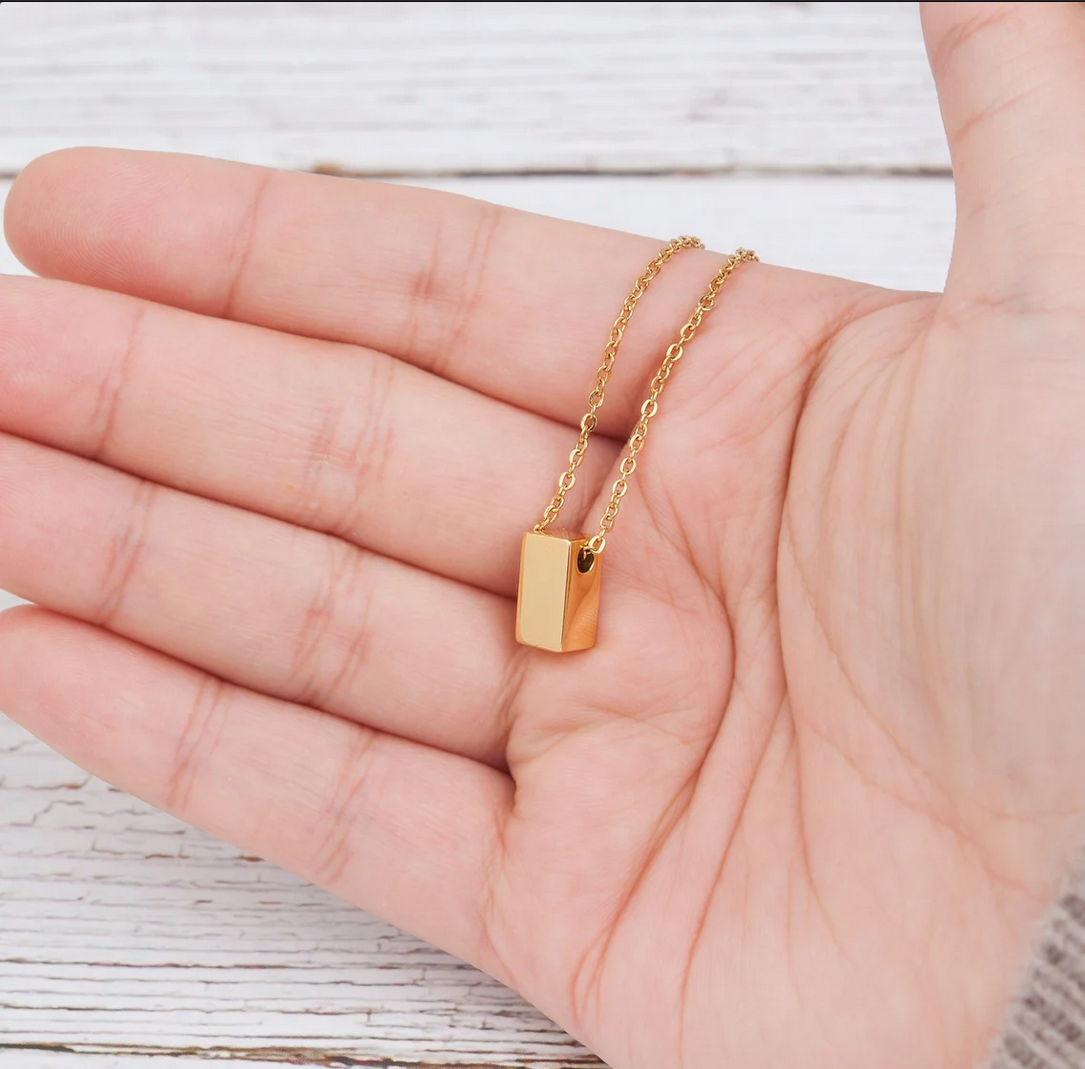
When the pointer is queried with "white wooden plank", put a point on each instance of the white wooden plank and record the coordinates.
(149, 1059)
(130, 939)
(488, 87)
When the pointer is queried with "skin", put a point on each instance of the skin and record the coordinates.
(269, 442)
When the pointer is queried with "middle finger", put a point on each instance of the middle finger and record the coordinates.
(341, 439)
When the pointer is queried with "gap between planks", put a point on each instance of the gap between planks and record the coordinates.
(59, 1056)
(336, 170)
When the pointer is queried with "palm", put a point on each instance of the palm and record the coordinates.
(791, 789)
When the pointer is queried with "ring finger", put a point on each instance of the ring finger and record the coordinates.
(276, 608)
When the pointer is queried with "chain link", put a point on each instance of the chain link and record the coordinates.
(650, 407)
(602, 376)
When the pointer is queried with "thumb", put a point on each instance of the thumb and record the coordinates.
(1011, 85)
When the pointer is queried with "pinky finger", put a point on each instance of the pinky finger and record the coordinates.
(402, 830)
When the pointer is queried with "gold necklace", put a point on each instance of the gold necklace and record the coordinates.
(557, 605)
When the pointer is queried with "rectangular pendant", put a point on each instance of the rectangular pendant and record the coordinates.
(557, 607)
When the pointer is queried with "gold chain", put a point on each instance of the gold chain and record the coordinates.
(651, 404)
(602, 376)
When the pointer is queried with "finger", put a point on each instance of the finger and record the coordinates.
(272, 607)
(1011, 83)
(514, 305)
(407, 832)
(335, 438)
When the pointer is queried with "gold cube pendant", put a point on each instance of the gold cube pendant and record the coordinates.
(557, 607)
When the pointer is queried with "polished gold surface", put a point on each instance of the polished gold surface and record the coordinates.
(558, 604)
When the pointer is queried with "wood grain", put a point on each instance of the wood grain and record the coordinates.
(476, 87)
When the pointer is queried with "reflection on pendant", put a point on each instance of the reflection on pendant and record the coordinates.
(557, 607)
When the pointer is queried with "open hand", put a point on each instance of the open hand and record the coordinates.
(269, 445)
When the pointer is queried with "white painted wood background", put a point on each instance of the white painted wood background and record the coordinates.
(809, 131)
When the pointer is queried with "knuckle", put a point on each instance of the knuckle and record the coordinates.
(123, 554)
(348, 456)
(343, 810)
(449, 293)
(196, 742)
(111, 389)
(331, 646)
(373, 445)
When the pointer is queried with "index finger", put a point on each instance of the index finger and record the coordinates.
(514, 305)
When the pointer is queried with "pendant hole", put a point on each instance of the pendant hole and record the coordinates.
(585, 560)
